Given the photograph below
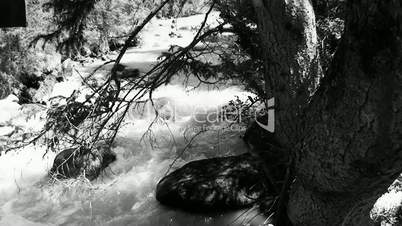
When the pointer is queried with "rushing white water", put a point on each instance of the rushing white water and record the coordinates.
(124, 195)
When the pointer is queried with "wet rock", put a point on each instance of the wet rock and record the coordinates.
(124, 72)
(25, 96)
(115, 44)
(31, 80)
(74, 162)
(85, 51)
(96, 50)
(118, 43)
(217, 183)
(45, 89)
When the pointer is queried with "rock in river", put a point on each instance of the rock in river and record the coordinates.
(217, 183)
(74, 162)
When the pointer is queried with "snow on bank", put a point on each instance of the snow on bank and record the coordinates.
(161, 34)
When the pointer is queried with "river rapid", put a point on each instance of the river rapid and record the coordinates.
(125, 193)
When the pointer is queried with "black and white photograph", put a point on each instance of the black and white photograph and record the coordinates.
(200, 112)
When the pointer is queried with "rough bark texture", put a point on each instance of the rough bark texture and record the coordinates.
(347, 142)
(292, 70)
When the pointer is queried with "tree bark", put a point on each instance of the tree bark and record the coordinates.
(291, 60)
(345, 136)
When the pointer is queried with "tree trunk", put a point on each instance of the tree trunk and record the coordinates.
(291, 61)
(104, 27)
(346, 137)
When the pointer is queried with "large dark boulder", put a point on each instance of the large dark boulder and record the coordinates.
(74, 162)
(211, 184)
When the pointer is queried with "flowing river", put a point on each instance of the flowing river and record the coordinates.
(125, 193)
